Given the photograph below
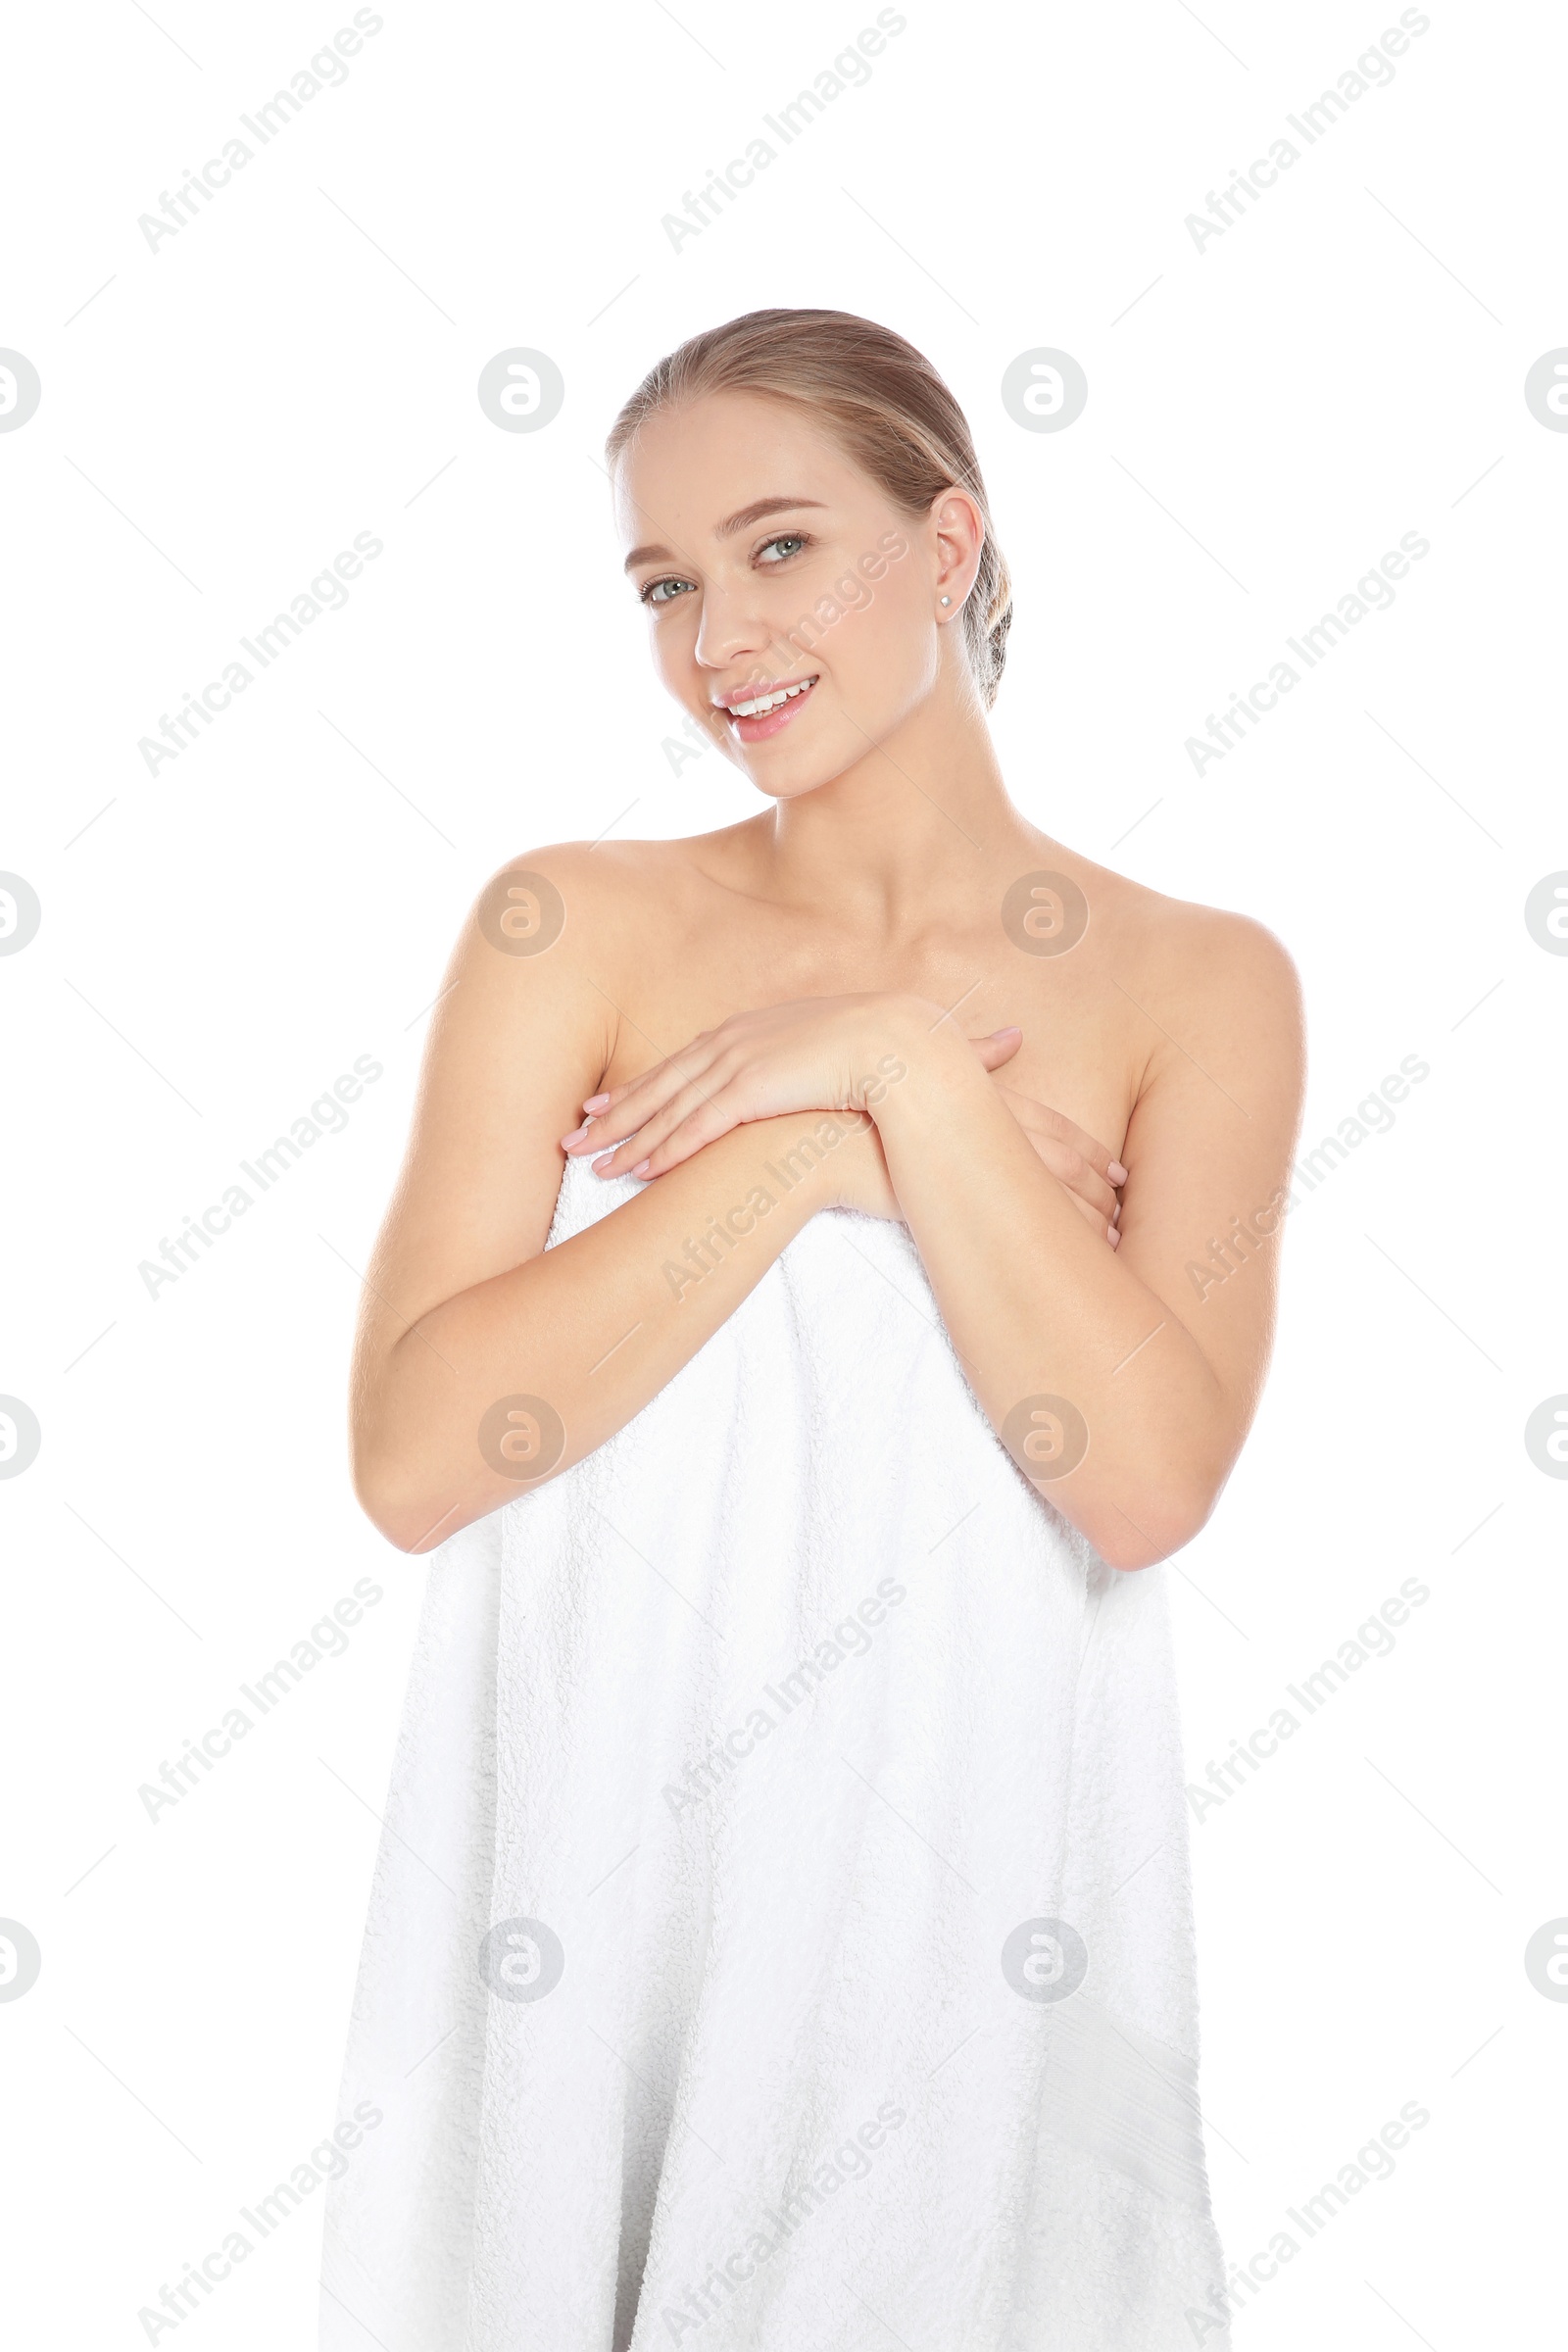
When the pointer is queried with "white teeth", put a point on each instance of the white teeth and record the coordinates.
(768, 702)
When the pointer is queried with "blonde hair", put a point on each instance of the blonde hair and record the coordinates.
(885, 402)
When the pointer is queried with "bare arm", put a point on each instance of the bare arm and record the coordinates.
(469, 1326)
(1122, 1384)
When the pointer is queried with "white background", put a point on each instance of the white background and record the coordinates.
(219, 941)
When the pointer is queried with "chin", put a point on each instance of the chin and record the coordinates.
(792, 779)
(788, 770)
(792, 788)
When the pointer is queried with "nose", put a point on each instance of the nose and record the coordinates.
(731, 629)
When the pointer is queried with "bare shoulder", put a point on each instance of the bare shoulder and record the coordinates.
(565, 917)
(1221, 964)
(1205, 988)
(540, 895)
(558, 943)
(600, 893)
(1205, 957)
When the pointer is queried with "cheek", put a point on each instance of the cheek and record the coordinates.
(671, 636)
(887, 642)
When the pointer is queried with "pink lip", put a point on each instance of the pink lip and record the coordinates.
(772, 723)
(756, 686)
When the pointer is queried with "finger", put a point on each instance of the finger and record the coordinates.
(633, 1151)
(626, 1108)
(1092, 1149)
(1079, 1138)
(672, 1071)
(704, 1125)
(1036, 1116)
(715, 1115)
(1044, 1116)
(1070, 1166)
(1000, 1047)
(1102, 1225)
(1073, 1172)
(623, 1111)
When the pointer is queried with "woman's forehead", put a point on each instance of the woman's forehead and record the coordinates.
(714, 460)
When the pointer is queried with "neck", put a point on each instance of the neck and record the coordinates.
(923, 811)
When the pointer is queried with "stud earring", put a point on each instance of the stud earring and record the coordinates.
(947, 599)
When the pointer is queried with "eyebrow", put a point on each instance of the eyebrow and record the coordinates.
(738, 522)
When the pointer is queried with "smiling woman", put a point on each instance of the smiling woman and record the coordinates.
(852, 593)
(787, 1209)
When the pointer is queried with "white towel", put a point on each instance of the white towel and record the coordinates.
(781, 1936)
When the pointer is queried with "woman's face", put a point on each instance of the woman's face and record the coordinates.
(793, 608)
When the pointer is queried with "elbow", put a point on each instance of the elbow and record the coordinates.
(413, 1527)
(1140, 1531)
(404, 1531)
(399, 1481)
(406, 1513)
(395, 1521)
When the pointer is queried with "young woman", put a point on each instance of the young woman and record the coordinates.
(833, 1267)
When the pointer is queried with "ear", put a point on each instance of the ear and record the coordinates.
(960, 534)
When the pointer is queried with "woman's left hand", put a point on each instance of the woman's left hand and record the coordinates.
(1079, 1162)
(819, 1054)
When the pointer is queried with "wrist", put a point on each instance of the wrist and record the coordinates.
(913, 1051)
(805, 1159)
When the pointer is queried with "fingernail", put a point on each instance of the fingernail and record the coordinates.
(602, 1162)
(642, 1167)
(1113, 1238)
(1118, 1174)
(596, 1102)
(1009, 1032)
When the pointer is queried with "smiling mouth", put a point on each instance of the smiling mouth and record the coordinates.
(763, 702)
